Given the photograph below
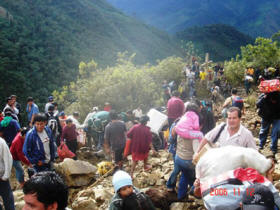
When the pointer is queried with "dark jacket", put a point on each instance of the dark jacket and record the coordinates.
(269, 106)
(33, 147)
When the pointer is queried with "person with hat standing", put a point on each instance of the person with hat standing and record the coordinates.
(141, 142)
(50, 98)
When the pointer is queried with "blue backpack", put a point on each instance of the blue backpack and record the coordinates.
(237, 101)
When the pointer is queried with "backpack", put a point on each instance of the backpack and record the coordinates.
(52, 124)
(237, 101)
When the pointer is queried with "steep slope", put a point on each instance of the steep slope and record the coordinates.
(222, 42)
(43, 42)
(254, 17)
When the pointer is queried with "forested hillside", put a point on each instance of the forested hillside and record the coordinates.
(221, 41)
(253, 17)
(42, 42)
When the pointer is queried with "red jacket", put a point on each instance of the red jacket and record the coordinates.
(16, 149)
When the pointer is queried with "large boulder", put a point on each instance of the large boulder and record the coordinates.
(76, 173)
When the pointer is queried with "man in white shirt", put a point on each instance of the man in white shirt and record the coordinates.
(232, 134)
(6, 163)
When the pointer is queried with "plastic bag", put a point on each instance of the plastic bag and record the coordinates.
(268, 86)
(64, 152)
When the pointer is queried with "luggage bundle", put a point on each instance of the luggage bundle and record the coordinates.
(268, 86)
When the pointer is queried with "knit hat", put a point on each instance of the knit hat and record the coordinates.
(121, 179)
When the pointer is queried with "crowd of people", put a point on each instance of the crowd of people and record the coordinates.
(192, 141)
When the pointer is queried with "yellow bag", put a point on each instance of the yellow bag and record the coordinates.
(103, 167)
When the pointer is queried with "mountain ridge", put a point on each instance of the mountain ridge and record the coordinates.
(253, 17)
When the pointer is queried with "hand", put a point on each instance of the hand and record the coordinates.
(195, 156)
(40, 163)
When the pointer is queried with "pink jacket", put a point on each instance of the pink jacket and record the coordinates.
(188, 126)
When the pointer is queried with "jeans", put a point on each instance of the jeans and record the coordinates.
(99, 139)
(187, 169)
(183, 182)
(171, 183)
(7, 195)
(265, 125)
(19, 171)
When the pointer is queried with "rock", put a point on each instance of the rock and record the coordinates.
(276, 175)
(177, 206)
(18, 195)
(76, 173)
(19, 205)
(102, 195)
(277, 186)
(84, 203)
(160, 182)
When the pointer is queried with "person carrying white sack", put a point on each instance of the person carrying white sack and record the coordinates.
(230, 133)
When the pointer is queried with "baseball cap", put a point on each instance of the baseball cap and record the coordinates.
(258, 197)
(50, 98)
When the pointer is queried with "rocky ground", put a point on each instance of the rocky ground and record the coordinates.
(88, 190)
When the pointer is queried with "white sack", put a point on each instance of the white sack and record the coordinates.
(223, 159)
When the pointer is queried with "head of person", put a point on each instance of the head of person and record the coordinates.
(8, 112)
(95, 109)
(30, 101)
(175, 93)
(144, 119)
(62, 114)
(113, 115)
(233, 117)
(55, 105)
(233, 91)
(192, 107)
(9, 101)
(257, 197)
(14, 98)
(50, 98)
(69, 122)
(40, 120)
(51, 108)
(129, 113)
(23, 131)
(76, 115)
(122, 183)
(45, 191)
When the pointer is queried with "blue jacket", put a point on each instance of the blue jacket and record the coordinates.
(33, 147)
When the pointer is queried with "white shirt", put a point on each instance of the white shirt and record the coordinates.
(243, 137)
(46, 143)
(137, 113)
(6, 160)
